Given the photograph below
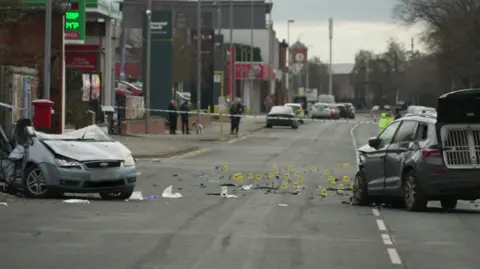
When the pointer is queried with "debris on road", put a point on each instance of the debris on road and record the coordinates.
(224, 193)
(3, 204)
(247, 187)
(283, 205)
(136, 196)
(76, 201)
(168, 193)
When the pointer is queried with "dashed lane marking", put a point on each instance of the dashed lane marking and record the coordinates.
(381, 225)
(386, 238)
(190, 154)
(394, 257)
(237, 139)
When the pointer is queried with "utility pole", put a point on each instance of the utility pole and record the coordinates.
(252, 74)
(123, 50)
(367, 79)
(289, 67)
(48, 49)
(148, 64)
(199, 57)
(232, 58)
(270, 49)
(330, 71)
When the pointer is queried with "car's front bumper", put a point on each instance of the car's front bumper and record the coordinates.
(464, 184)
(80, 180)
(281, 122)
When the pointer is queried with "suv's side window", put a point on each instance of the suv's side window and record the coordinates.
(422, 132)
(406, 132)
(387, 135)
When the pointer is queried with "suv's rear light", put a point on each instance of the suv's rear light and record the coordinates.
(430, 153)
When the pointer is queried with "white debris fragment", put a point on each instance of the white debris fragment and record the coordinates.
(224, 193)
(247, 187)
(76, 201)
(3, 204)
(136, 196)
(168, 193)
(340, 192)
(282, 205)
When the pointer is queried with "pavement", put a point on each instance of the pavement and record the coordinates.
(260, 228)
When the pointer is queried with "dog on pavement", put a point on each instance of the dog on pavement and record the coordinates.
(198, 128)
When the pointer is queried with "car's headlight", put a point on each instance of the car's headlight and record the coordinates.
(66, 163)
(129, 161)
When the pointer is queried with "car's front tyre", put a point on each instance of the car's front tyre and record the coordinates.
(360, 195)
(118, 195)
(34, 184)
(415, 199)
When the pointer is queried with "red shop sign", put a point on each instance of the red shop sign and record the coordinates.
(85, 62)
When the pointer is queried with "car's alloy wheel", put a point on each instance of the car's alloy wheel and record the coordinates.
(360, 192)
(118, 195)
(34, 183)
(414, 198)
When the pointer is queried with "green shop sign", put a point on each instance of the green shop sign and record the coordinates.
(75, 22)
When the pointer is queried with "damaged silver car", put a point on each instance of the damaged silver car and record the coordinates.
(82, 161)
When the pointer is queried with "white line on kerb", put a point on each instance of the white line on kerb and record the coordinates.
(354, 142)
(375, 212)
(381, 225)
(394, 257)
(386, 239)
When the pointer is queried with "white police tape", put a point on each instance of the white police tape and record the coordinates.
(263, 117)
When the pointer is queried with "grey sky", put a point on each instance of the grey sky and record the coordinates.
(351, 10)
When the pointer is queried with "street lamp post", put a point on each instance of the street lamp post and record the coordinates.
(288, 55)
(232, 58)
(48, 49)
(330, 71)
(148, 73)
(199, 57)
(252, 74)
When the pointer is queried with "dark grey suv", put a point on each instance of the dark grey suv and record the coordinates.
(420, 158)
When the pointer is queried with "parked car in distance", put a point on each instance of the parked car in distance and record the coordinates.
(420, 158)
(321, 111)
(302, 100)
(350, 110)
(326, 98)
(343, 110)
(334, 111)
(282, 116)
(297, 108)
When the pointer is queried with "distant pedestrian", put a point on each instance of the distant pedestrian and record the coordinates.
(236, 110)
(184, 109)
(268, 102)
(397, 115)
(172, 116)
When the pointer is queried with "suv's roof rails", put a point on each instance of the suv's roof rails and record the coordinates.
(426, 115)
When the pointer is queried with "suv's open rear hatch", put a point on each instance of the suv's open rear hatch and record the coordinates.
(458, 128)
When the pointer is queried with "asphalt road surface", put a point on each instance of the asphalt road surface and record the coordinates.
(260, 228)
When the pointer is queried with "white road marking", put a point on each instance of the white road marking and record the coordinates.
(381, 225)
(190, 154)
(237, 139)
(375, 212)
(354, 142)
(394, 257)
(386, 239)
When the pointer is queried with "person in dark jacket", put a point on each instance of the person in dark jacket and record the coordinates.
(397, 115)
(172, 116)
(184, 109)
(236, 110)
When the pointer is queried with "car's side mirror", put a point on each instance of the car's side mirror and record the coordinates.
(373, 142)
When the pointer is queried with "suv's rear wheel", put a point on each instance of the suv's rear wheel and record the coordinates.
(360, 191)
(415, 199)
(448, 202)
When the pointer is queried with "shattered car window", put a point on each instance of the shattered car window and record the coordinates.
(89, 133)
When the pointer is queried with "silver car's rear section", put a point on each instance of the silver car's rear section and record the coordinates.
(461, 146)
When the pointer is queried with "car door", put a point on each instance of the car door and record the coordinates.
(375, 160)
(396, 153)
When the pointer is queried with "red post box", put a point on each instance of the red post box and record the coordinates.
(42, 113)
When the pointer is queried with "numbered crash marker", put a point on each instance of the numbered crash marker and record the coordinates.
(289, 168)
(327, 172)
(346, 165)
(324, 193)
(297, 174)
(250, 176)
(341, 186)
(332, 180)
(270, 175)
(351, 186)
(287, 176)
(275, 166)
(296, 185)
(259, 177)
(238, 179)
(346, 179)
(300, 179)
(314, 169)
(284, 186)
(224, 168)
(276, 174)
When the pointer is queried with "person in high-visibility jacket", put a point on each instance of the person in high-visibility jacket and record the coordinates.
(385, 119)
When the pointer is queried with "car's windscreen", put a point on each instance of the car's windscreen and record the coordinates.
(89, 133)
(295, 108)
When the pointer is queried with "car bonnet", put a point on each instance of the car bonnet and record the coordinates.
(89, 151)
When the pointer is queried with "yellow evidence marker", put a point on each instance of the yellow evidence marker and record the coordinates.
(300, 179)
(314, 169)
(275, 166)
(296, 185)
(341, 186)
(351, 186)
(331, 180)
(250, 176)
(324, 193)
(327, 172)
(284, 186)
(276, 174)
(346, 179)
(297, 174)
(238, 178)
(259, 177)
(346, 165)
(286, 176)
(289, 168)
(224, 167)
(270, 175)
